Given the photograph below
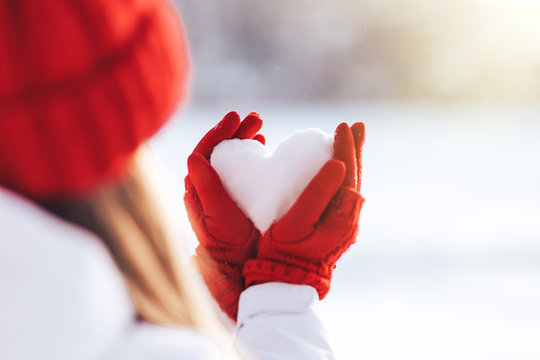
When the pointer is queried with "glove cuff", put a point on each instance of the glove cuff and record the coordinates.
(258, 271)
(224, 281)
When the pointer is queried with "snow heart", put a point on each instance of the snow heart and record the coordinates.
(265, 184)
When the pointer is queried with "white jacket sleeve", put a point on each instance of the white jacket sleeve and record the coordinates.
(152, 342)
(280, 321)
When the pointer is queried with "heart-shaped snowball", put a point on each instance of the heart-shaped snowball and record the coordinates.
(264, 184)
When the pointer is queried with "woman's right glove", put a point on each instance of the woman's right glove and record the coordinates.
(227, 238)
(305, 244)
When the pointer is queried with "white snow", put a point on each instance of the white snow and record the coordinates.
(266, 184)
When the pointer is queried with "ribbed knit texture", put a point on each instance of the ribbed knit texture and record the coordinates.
(312, 259)
(82, 85)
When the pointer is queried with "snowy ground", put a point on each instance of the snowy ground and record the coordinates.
(447, 264)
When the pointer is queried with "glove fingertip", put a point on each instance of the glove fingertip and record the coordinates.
(341, 127)
(345, 150)
(335, 168)
(225, 129)
(249, 126)
(260, 138)
(230, 118)
(359, 133)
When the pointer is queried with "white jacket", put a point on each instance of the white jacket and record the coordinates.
(62, 297)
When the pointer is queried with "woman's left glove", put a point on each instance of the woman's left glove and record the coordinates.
(304, 245)
(227, 238)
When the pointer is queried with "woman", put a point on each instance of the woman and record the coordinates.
(90, 262)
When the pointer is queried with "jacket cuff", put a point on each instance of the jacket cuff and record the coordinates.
(259, 271)
(275, 298)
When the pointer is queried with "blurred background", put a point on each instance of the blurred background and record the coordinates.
(447, 262)
(353, 50)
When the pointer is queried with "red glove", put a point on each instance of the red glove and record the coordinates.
(304, 245)
(227, 238)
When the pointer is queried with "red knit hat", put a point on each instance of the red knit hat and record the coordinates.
(82, 84)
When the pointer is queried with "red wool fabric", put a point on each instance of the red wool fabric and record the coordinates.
(82, 85)
(227, 238)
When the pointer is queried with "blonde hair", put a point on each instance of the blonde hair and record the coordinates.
(133, 217)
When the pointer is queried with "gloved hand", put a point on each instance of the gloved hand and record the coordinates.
(304, 245)
(227, 238)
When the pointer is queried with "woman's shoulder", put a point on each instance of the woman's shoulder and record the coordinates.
(61, 290)
(41, 250)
